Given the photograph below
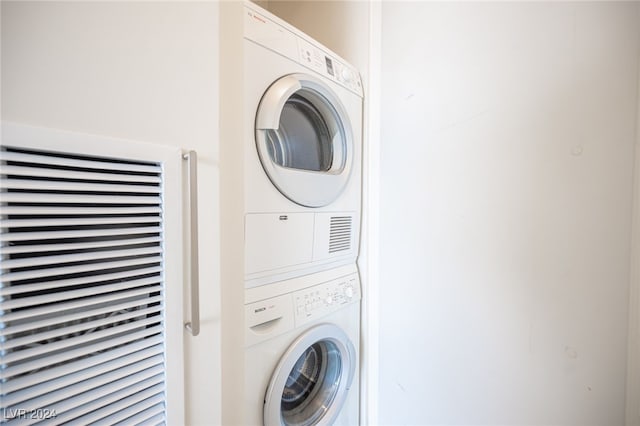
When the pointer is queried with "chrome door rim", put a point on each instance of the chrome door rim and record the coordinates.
(323, 332)
(304, 187)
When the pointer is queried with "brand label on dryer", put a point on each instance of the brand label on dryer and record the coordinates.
(263, 31)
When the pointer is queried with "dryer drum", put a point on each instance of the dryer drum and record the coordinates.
(303, 140)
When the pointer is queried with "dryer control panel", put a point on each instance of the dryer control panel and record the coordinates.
(314, 302)
(273, 33)
(327, 65)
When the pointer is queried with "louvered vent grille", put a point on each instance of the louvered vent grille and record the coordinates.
(81, 293)
(340, 233)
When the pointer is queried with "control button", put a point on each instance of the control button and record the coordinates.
(346, 74)
(328, 300)
(348, 292)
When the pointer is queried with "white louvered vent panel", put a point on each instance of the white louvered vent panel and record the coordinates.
(340, 233)
(82, 291)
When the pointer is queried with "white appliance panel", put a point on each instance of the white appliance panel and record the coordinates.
(273, 241)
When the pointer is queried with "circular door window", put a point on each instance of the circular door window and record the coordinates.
(304, 140)
(309, 385)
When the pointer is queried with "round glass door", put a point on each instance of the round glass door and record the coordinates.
(310, 383)
(304, 140)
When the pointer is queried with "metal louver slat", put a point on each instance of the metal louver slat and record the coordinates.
(25, 223)
(82, 291)
(74, 211)
(118, 412)
(156, 420)
(44, 185)
(146, 388)
(49, 248)
(80, 370)
(31, 314)
(72, 161)
(63, 319)
(150, 284)
(51, 235)
(85, 267)
(71, 354)
(142, 417)
(40, 286)
(81, 340)
(22, 197)
(77, 257)
(99, 385)
(30, 339)
(77, 175)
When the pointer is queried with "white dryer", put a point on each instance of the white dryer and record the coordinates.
(303, 144)
(302, 355)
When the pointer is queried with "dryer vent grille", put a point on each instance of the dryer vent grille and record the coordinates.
(340, 233)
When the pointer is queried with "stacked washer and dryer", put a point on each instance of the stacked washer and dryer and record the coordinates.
(302, 221)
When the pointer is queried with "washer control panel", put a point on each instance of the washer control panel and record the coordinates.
(314, 302)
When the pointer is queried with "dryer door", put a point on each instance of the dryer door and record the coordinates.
(304, 140)
(310, 383)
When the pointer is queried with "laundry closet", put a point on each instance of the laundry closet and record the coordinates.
(498, 240)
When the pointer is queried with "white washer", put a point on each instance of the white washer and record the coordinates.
(303, 144)
(302, 351)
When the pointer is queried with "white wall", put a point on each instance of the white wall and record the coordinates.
(506, 168)
(633, 361)
(232, 130)
(136, 70)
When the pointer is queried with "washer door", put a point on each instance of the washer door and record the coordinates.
(304, 140)
(310, 383)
